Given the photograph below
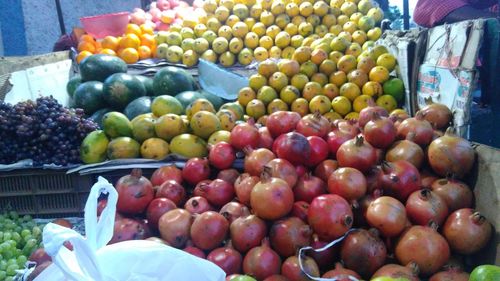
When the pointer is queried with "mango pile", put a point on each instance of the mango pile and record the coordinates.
(246, 30)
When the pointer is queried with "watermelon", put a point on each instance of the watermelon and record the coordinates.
(73, 83)
(137, 107)
(89, 97)
(120, 89)
(148, 84)
(216, 101)
(171, 81)
(99, 67)
(187, 97)
(97, 116)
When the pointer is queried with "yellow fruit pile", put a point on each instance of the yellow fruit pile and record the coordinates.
(243, 30)
(138, 43)
(317, 79)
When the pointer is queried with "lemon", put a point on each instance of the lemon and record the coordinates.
(306, 9)
(257, 81)
(221, 13)
(289, 94)
(267, 18)
(278, 81)
(338, 78)
(379, 74)
(276, 105)
(355, 17)
(245, 57)
(250, 22)
(251, 40)
(372, 89)
(331, 91)
(226, 32)
(240, 29)
(227, 119)
(277, 7)
(350, 27)
(332, 116)
(352, 116)
(388, 102)
(348, 8)
(259, 29)
(245, 95)
(266, 42)
(256, 11)
(320, 8)
(272, 31)
(292, 9)
(359, 37)
(292, 29)
(275, 52)
(287, 52)
(282, 20)
(341, 105)
(296, 41)
(321, 104)
(387, 60)
(266, 94)
(376, 13)
(232, 20)
(350, 91)
(256, 109)
(219, 136)
(299, 81)
(282, 39)
(361, 102)
(312, 89)
(220, 45)
(301, 106)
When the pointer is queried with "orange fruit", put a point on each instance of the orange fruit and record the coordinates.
(144, 52)
(148, 40)
(87, 38)
(147, 29)
(82, 55)
(133, 29)
(86, 46)
(379, 74)
(130, 41)
(129, 55)
(110, 42)
(108, 52)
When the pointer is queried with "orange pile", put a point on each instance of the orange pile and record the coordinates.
(138, 43)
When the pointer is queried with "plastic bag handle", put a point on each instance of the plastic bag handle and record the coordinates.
(326, 247)
(99, 232)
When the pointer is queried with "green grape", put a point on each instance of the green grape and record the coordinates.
(27, 218)
(28, 237)
(16, 237)
(3, 274)
(18, 229)
(21, 260)
(7, 236)
(3, 264)
(36, 231)
(9, 278)
(8, 254)
(19, 252)
(25, 232)
(11, 269)
(11, 261)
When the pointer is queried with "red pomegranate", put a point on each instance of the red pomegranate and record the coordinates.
(288, 235)
(128, 229)
(255, 160)
(357, 153)
(467, 231)
(380, 132)
(347, 182)
(134, 193)
(196, 170)
(222, 155)
(341, 274)
(424, 206)
(157, 208)
(439, 115)
(291, 268)
(244, 134)
(233, 210)
(193, 250)
(266, 140)
(388, 215)
(363, 251)
(282, 122)
(424, 246)
(418, 128)
(243, 187)
(282, 169)
(209, 229)
(455, 193)
(172, 190)
(271, 192)
(368, 113)
(247, 232)
(325, 258)
(319, 151)
(336, 137)
(262, 262)
(406, 150)
(325, 168)
(400, 179)
(197, 205)
(165, 173)
(451, 155)
(309, 187)
(175, 226)
(218, 192)
(409, 272)
(226, 258)
(229, 175)
(300, 209)
(330, 216)
(313, 125)
(450, 274)
(293, 147)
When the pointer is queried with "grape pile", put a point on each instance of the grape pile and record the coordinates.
(19, 237)
(44, 131)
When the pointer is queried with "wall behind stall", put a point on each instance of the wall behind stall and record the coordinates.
(38, 26)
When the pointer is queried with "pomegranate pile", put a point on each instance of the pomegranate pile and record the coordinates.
(398, 181)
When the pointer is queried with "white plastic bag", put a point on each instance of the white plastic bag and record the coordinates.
(92, 260)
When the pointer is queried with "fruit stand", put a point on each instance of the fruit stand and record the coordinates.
(332, 158)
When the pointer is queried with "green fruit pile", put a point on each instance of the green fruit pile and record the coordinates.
(246, 30)
(19, 237)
